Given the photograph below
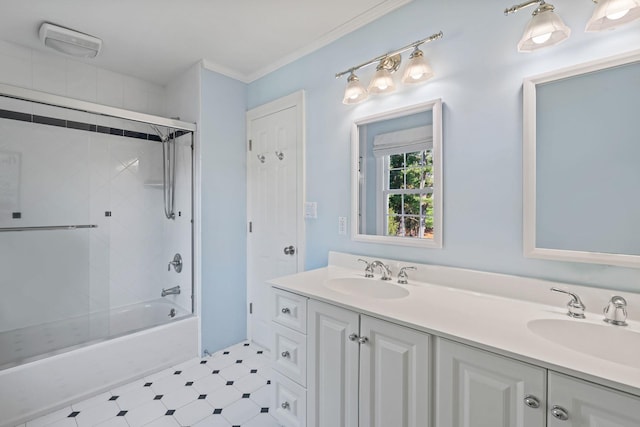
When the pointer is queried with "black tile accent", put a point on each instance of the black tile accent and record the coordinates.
(16, 215)
(202, 396)
(158, 396)
(217, 411)
(122, 413)
(229, 382)
(260, 352)
(202, 362)
(49, 121)
(15, 115)
(246, 344)
(216, 371)
(170, 412)
(102, 129)
(239, 361)
(114, 397)
(138, 135)
(116, 131)
(177, 372)
(268, 382)
(264, 410)
(254, 371)
(246, 395)
(147, 384)
(189, 383)
(154, 138)
(78, 125)
(236, 426)
(73, 414)
(107, 213)
(225, 352)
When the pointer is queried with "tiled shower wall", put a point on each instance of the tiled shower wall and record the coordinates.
(70, 176)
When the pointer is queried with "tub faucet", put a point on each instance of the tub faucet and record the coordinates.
(616, 311)
(386, 271)
(171, 291)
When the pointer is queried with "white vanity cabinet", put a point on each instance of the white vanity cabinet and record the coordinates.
(364, 371)
(476, 388)
(577, 403)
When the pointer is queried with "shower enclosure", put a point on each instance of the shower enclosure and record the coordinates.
(95, 205)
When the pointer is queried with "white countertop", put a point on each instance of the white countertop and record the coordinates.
(486, 310)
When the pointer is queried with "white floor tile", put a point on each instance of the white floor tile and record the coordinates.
(161, 374)
(213, 421)
(92, 401)
(193, 412)
(223, 397)
(241, 411)
(262, 420)
(134, 396)
(167, 384)
(221, 362)
(235, 371)
(166, 421)
(97, 413)
(114, 422)
(65, 422)
(186, 365)
(179, 397)
(250, 383)
(263, 396)
(197, 371)
(209, 384)
(146, 413)
(45, 420)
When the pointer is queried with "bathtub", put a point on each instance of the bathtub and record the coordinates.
(91, 354)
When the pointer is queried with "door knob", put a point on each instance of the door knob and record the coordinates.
(531, 401)
(559, 413)
(286, 310)
(286, 354)
(363, 340)
(289, 250)
(353, 337)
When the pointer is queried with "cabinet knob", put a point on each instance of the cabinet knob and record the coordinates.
(363, 340)
(285, 354)
(286, 310)
(353, 337)
(285, 405)
(559, 413)
(531, 401)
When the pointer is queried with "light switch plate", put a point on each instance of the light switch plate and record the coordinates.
(311, 210)
(342, 225)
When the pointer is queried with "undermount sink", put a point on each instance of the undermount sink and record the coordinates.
(613, 343)
(373, 288)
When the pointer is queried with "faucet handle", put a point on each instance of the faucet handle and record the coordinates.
(402, 274)
(616, 311)
(575, 306)
(368, 270)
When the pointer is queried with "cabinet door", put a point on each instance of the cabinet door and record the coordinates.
(476, 388)
(333, 366)
(394, 375)
(589, 405)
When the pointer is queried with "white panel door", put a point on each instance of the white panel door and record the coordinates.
(333, 366)
(589, 405)
(475, 388)
(394, 375)
(272, 210)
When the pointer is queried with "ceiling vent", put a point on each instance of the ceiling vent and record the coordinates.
(69, 41)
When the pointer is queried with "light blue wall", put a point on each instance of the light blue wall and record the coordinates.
(479, 78)
(222, 142)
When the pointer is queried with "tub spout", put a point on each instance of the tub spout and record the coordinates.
(171, 291)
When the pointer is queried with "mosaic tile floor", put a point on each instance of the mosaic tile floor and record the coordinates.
(228, 389)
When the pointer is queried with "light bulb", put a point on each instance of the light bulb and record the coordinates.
(541, 38)
(382, 82)
(354, 91)
(418, 70)
(617, 15)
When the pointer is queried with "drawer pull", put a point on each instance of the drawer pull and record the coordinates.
(285, 354)
(363, 340)
(286, 310)
(559, 413)
(353, 337)
(285, 405)
(531, 401)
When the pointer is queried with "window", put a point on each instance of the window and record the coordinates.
(407, 194)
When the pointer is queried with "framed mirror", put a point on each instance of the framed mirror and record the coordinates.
(581, 159)
(396, 176)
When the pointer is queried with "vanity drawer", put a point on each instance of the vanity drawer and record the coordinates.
(290, 402)
(290, 310)
(290, 354)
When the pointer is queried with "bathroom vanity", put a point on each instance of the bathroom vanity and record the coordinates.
(451, 347)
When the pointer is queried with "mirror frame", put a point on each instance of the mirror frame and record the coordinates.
(529, 166)
(435, 106)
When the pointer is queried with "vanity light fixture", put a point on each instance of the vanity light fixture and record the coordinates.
(610, 14)
(418, 70)
(544, 29)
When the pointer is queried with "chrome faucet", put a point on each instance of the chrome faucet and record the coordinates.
(171, 291)
(402, 274)
(616, 311)
(575, 306)
(368, 270)
(384, 269)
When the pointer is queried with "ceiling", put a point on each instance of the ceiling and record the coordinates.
(157, 40)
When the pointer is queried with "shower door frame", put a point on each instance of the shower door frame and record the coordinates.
(45, 98)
